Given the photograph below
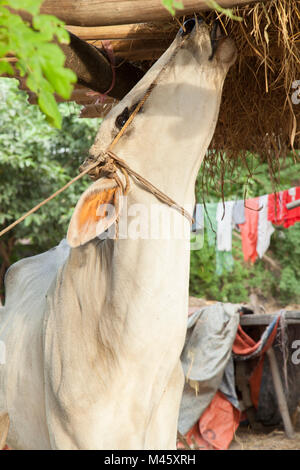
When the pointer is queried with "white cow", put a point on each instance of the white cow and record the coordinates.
(93, 333)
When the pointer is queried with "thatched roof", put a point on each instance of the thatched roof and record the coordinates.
(259, 111)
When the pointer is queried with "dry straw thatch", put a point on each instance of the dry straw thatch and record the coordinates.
(257, 112)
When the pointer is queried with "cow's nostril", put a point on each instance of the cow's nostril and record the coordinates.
(122, 118)
(188, 27)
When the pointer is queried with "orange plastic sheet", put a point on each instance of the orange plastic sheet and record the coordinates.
(216, 427)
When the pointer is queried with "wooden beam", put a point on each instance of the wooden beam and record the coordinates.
(125, 31)
(116, 12)
(97, 110)
(137, 50)
(291, 318)
(80, 95)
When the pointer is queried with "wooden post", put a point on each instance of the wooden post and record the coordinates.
(282, 403)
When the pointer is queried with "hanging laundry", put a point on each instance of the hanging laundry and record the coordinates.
(198, 218)
(277, 211)
(238, 212)
(265, 228)
(224, 258)
(292, 215)
(249, 229)
(224, 225)
(210, 222)
(256, 226)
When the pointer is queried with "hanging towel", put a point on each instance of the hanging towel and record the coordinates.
(224, 225)
(238, 213)
(293, 215)
(198, 218)
(265, 227)
(277, 211)
(249, 229)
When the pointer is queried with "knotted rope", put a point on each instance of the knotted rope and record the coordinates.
(109, 163)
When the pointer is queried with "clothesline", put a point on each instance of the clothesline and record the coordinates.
(254, 218)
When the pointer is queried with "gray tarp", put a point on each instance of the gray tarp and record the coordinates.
(206, 358)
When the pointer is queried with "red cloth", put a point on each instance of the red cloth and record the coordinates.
(216, 426)
(292, 215)
(277, 211)
(249, 229)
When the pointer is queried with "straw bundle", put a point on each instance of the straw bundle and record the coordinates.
(260, 110)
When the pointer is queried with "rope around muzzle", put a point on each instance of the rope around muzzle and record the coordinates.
(109, 163)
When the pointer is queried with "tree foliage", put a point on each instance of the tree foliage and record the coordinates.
(38, 59)
(36, 160)
(173, 5)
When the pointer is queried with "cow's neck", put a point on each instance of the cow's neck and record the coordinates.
(141, 285)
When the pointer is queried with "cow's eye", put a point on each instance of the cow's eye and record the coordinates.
(122, 118)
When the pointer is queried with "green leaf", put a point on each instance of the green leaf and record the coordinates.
(60, 79)
(38, 59)
(32, 6)
(4, 49)
(172, 5)
(49, 106)
(227, 11)
(5, 67)
(51, 26)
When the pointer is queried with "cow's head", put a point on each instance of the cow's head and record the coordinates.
(177, 120)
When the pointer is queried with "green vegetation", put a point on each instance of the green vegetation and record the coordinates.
(261, 278)
(36, 160)
(173, 5)
(39, 60)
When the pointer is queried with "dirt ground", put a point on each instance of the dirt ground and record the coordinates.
(246, 439)
(257, 303)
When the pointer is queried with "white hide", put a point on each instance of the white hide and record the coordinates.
(94, 334)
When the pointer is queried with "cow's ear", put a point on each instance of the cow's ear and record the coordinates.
(97, 209)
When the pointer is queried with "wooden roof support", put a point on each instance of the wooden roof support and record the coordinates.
(136, 50)
(113, 12)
